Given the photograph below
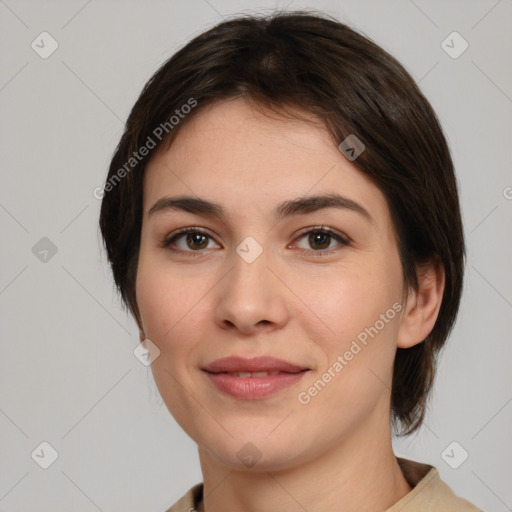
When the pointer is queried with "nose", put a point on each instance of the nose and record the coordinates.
(251, 298)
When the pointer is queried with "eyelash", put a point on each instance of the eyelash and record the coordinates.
(166, 243)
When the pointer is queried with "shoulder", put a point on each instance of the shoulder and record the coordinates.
(188, 502)
(429, 493)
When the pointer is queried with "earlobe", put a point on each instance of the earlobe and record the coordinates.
(422, 305)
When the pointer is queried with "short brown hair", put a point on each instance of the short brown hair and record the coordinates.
(313, 63)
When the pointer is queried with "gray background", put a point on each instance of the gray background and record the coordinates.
(68, 375)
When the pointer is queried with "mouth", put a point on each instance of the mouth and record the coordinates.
(245, 375)
(254, 366)
(255, 378)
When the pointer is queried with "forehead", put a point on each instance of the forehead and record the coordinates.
(246, 159)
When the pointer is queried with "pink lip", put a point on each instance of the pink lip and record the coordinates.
(253, 388)
(254, 364)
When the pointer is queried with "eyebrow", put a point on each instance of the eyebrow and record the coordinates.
(301, 205)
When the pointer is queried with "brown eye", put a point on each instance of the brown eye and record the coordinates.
(196, 240)
(189, 241)
(319, 241)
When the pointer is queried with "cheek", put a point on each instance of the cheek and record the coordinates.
(359, 345)
(172, 305)
(160, 298)
(358, 330)
(345, 305)
(171, 311)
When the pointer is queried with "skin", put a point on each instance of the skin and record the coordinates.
(289, 303)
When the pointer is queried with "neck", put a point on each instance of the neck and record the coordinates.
(360, 473)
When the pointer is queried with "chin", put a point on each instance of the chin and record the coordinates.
(257, 453)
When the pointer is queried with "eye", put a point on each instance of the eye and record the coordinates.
(321, 238)
(194, 242)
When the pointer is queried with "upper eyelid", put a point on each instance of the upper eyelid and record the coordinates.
(326, 229)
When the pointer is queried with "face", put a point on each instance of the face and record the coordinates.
(316, 285)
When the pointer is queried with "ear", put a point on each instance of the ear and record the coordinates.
(422, 306)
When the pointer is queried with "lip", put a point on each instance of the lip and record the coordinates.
(253, 388)
(254, 364)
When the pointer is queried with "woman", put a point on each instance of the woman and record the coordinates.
(282, 219)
